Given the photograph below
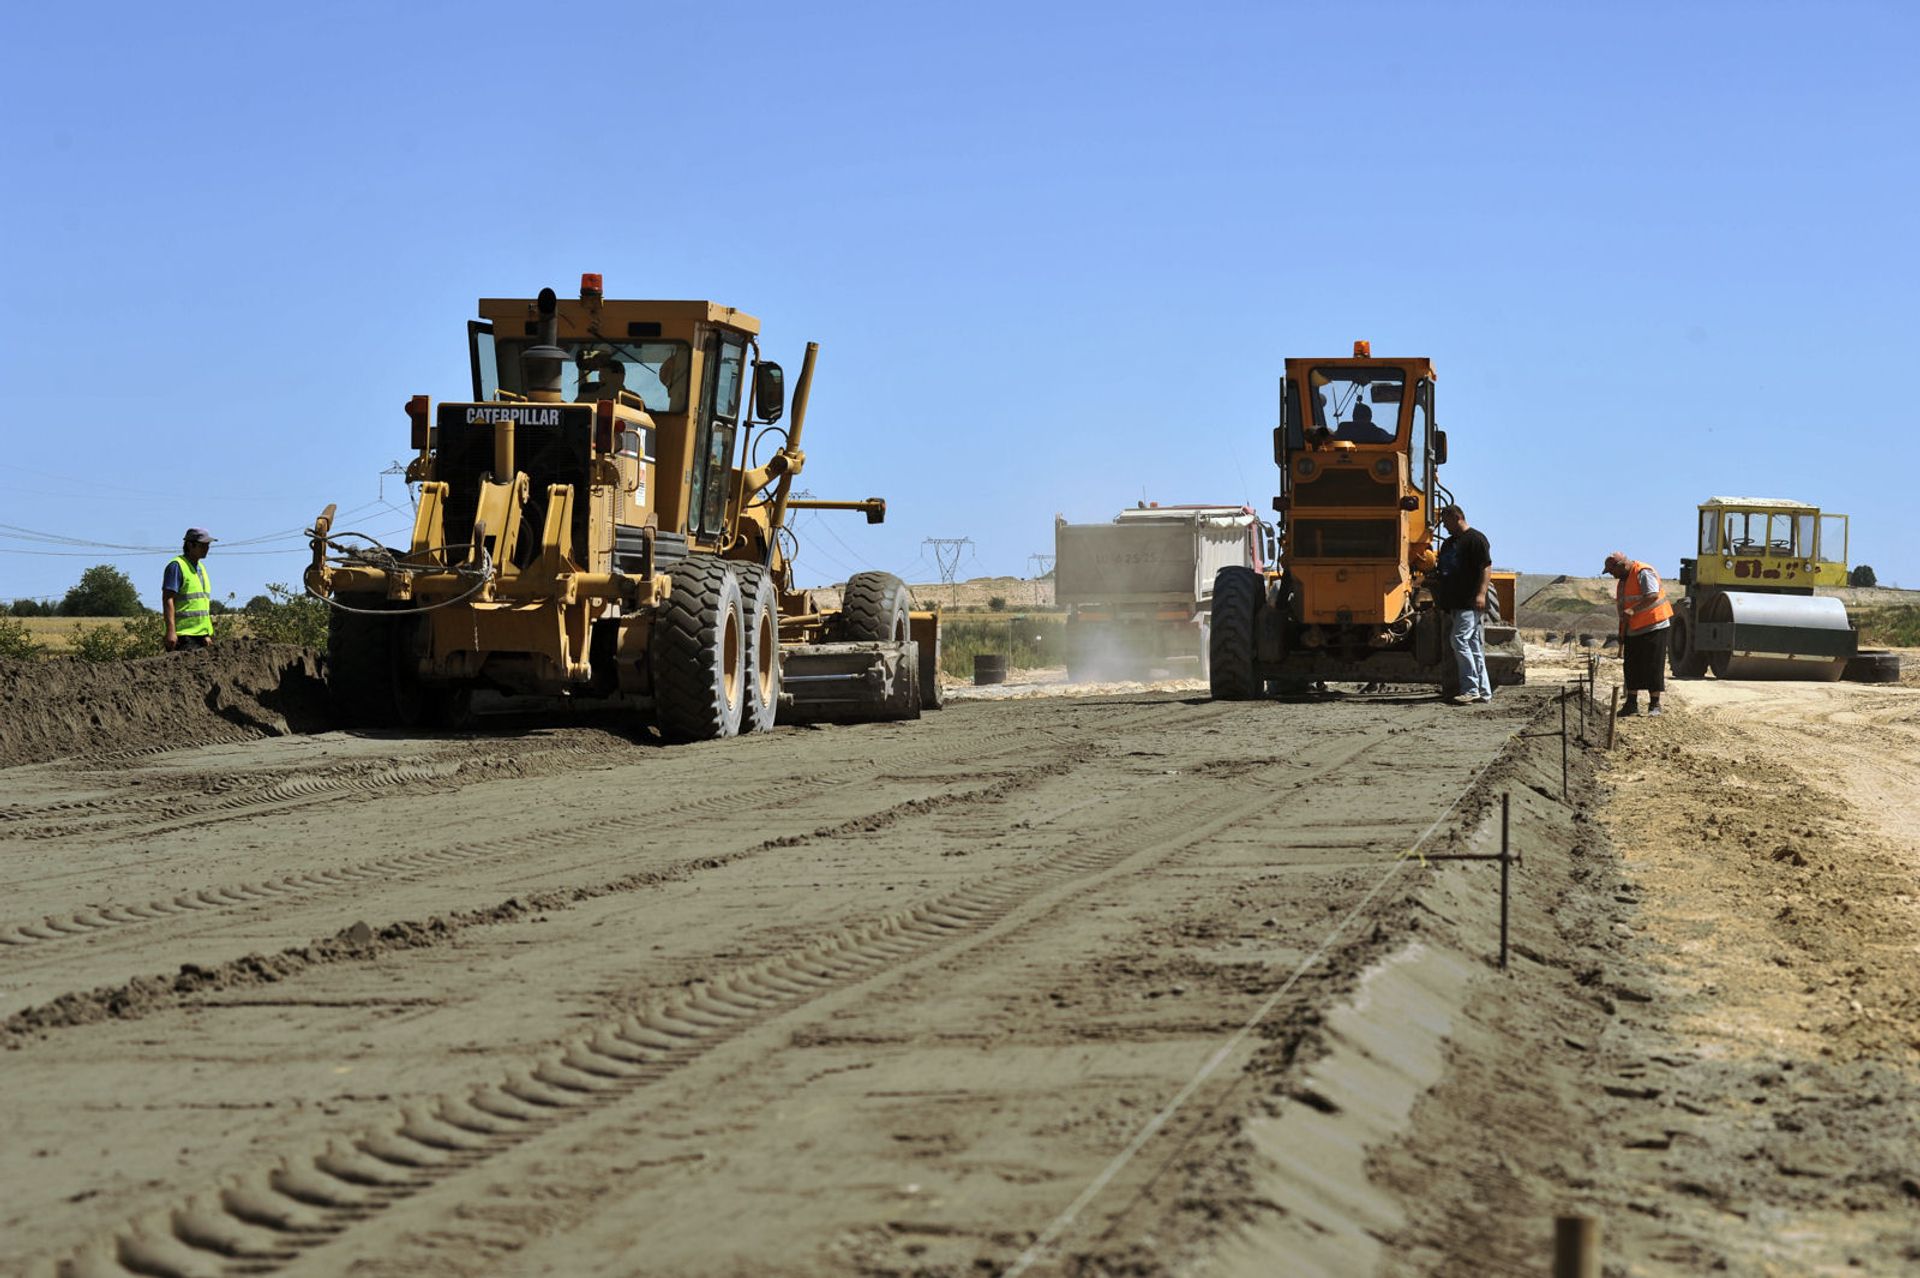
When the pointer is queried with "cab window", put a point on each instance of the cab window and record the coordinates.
(1833, 539)
(655, 371)
(713, 442)
(1422, 431)
(1361, 405)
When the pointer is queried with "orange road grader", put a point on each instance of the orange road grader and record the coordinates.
(1360, 494)
(605, 521)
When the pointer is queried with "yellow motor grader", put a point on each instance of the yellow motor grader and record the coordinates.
(606, 520)
(1360, 494)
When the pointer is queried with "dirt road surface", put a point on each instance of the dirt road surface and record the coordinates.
(1083, 983)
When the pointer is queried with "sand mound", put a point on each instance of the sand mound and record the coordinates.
(51, 709)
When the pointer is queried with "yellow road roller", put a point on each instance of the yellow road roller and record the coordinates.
(1750, 610)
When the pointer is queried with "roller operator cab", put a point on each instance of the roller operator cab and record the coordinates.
(1359, 453)
(605, 520)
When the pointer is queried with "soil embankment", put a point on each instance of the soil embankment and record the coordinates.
(53, 709)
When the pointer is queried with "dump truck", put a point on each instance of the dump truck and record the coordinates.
(604, 521)
(1750, 610)
(1351, 597)
(1138, 589)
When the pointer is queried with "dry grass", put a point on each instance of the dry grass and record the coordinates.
(55, 633)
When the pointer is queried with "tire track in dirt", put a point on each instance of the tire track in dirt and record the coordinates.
(176, 803)
(98, 919)
(144, 996)
(94, 920)
(260, 1221)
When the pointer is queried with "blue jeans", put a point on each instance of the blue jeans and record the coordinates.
(1466, 635)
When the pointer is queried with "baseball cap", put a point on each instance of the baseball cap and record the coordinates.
(198, 534)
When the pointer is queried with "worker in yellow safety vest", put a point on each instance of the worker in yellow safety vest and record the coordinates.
(1646, 617)
(186, 596)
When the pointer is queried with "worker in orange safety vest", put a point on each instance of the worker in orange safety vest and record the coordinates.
(1646, 618)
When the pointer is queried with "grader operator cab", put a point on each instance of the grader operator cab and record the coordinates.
(1359, 456)
(1750, 611)
(603, 521)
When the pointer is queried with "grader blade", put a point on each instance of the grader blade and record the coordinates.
(850, 682)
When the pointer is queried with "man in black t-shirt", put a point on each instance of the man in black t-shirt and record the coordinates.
(1465, 568)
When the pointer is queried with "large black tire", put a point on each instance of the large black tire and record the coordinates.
(1872, 665)
(371, 678)
(763, 649)
(1686, 661)
(874, 608)
(699, 653)
(1238, 593)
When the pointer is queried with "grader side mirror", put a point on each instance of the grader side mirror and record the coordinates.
(1439, 448)
(769, 391)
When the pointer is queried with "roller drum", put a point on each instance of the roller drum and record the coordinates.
(1750, 635)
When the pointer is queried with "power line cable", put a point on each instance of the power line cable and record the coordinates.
(229, 545)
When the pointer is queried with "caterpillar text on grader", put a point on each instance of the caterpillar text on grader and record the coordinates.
(1358, 508)
(602, 521)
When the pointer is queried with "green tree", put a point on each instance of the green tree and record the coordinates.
(102, 591)
(1862, 576)
(31, 608)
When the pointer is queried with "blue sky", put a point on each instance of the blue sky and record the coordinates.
(1054, 254)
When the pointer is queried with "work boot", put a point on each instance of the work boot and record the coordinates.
(1631, 707)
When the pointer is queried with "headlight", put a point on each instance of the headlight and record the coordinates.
(1305, 467)
(1384, 467)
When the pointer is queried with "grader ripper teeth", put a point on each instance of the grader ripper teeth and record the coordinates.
(594, 528)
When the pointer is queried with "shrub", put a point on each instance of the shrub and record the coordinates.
(141, 636)
(1027, 641)
(997, 604)
(105, 643)
(1862, 576)
(287, 617)
(17, 641)
(1897, 627)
